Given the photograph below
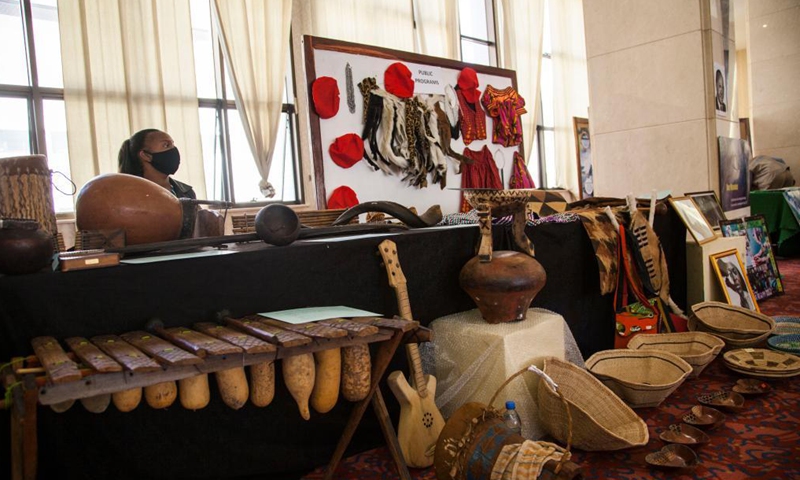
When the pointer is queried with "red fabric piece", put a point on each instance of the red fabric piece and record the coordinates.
(482, 173)
(325, 92)
(468, 83)
(473, 120)
(520, 176)
(397, 80)
(347, 150)
(342, 197)
(505, 107)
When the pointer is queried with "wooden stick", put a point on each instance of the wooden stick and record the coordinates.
(389, 433)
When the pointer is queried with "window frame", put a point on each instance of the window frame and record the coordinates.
(491, 29)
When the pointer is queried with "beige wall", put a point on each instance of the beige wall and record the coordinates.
(647, 96)
(774, 65)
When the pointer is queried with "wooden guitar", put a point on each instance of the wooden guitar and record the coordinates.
(420, 420)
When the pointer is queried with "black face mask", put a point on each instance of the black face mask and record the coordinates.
(166, 162)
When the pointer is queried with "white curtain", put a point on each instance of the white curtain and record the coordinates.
(570, 86)
(382, 23)
(255, 39)
(128, 65)
(437, 31)
(519, 41)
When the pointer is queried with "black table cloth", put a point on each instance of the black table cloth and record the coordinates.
(218, 442)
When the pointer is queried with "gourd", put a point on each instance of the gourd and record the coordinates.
(233, 388)
(97, 403)
(127, 400)
(62, 407)
(193, 392)
(161, 395)
(356, 367)
(298, 374)
(328, 368)
(262, 383)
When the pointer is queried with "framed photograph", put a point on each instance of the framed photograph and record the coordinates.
(709, 205)
(762, 271)
(792, 197)
(720, 90)
(583, 151)
(694, 220)
(730, 272)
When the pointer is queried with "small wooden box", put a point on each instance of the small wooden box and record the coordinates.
(82, 261)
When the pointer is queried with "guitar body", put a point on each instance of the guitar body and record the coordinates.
(420, 420)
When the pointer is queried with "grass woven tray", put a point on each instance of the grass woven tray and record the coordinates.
(762, 360)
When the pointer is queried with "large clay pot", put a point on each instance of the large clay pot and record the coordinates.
(24, 247)
(146, 211)
(504, 288)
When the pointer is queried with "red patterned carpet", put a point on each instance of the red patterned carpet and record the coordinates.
(762, 441)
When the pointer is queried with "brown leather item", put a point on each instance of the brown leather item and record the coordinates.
(504, 288)
(146, 211)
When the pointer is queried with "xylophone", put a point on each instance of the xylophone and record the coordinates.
(320, 360)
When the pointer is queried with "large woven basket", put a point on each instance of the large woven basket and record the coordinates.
(642, 378)
(600, 420)
(737, 322)
(698, 349)
(732, 340)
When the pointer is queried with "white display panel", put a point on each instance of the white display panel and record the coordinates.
(371, 185)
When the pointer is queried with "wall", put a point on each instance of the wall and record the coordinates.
(774, 54)
(647, 96)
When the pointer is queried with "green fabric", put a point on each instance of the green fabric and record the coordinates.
(783, 227)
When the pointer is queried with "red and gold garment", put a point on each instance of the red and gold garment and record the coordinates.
(481, 173)
(473, 120)
(505, 107)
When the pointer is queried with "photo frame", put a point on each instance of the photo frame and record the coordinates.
(730, 273)
(709, 205)
(693, 218)
(583, 155)
(792, 197)
(762, 270)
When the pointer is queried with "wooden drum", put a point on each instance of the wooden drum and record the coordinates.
(26, 191)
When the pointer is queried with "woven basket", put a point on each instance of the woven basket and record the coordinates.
(732, 340)
(739, 323)
(600, 420)
(698, 349)
(642, 378)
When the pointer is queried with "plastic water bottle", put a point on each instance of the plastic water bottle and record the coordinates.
(511, 417)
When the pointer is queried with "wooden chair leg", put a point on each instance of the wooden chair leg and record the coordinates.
(390, 435)
(23, 431)
(381, 361)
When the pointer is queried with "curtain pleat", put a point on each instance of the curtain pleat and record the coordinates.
(129, 65)
(255, 40)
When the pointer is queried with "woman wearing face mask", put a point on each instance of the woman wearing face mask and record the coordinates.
(152, 154)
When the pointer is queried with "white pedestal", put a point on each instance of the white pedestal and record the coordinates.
(702, 284)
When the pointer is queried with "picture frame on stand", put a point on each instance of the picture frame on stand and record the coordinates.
(762, 269)
(730, 273)
(693, 218)
(583, 153)
(709, 205)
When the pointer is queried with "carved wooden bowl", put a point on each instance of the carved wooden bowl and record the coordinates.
(704, 417)
(731, 401)
(673, 456)
(684, 434)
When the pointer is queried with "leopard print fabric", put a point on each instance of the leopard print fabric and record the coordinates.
(604, 238)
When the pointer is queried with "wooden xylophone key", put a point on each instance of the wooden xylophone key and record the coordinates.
(59, 368)
(355, 329)
(198, 343)
(252, 324)
(310, 329)
(92, 356)
(133, 360)
(262, 375)
(161, 350)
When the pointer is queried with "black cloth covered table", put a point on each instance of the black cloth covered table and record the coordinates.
(218, 442)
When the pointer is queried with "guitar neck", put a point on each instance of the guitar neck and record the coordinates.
(412, 350)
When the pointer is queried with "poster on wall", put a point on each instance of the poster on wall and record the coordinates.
(721, 90)
(583, 148)
(734, 178)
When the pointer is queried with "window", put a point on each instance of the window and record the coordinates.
(476, 23)
(31, 89)
(545, 132)
(231, 172)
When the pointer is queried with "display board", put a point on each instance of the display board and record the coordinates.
(329, 58)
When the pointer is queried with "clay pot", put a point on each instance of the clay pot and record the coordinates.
(24, 247)
(146, 211)
(504, 288)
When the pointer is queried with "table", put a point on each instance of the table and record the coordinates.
(218, 442)
(783, 227)
(472, 358)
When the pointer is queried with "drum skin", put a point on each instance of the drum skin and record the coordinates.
(146, 211)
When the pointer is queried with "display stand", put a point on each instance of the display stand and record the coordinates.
(473, 358)
(702, 284)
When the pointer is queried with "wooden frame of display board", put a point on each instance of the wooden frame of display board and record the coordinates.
(326, 57)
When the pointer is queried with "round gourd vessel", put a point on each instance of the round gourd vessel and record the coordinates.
(146, 211)
(504, 288)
